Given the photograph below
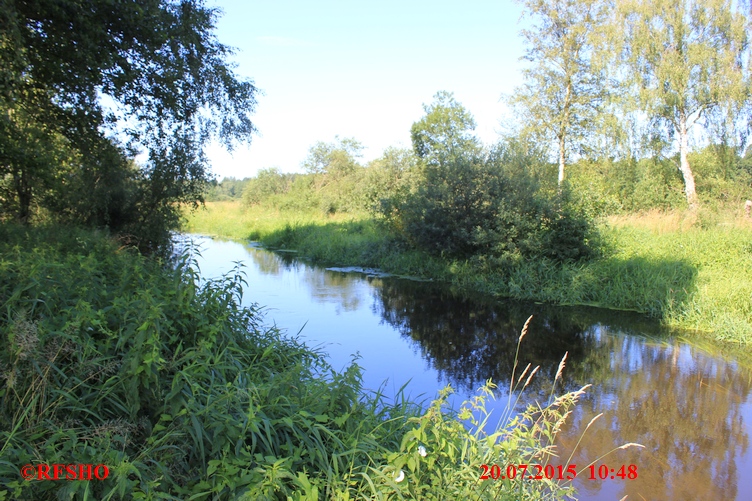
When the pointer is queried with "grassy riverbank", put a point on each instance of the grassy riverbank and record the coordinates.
(108, 357)
(689, 273)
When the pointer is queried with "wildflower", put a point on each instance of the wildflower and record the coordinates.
(400, 477)
(422, 451)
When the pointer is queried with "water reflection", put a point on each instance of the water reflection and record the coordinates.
(468, 340)
(690, 409)
(342, 288)
(683, 405)
(686, 407)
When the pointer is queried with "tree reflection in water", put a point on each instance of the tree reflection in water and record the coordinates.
(687, 407)
(468, 340)
(682, 404)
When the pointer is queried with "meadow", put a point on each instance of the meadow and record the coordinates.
(689, 270)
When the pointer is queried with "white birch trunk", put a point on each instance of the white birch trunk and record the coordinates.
(686, 171)
(561, 159)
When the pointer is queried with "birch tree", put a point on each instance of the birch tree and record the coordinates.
(564, 89)
(685, 60)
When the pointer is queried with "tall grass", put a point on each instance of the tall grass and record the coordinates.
(688, 270)
(110, 358)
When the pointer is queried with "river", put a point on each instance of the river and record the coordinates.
(690, 408)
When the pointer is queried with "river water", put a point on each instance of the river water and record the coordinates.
(691, 409)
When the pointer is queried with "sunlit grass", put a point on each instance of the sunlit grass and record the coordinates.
(720, 250)
(234, 220)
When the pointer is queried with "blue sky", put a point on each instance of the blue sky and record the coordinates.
(363, 70)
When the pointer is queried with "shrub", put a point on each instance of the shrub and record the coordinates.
(267, 182)
(478, 206)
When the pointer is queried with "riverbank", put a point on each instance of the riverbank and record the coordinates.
(691, 274)
(111, 358)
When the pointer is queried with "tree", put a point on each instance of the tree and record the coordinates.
(445, 132)
(157, 60)
(685, 59)
(267, 182)
(337, 158)
(564, 89)
(389, 180)
(469, 201)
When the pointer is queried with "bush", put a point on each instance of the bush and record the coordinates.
(268, 182)
(482, 206)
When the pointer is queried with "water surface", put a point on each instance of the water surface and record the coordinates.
(690, 408)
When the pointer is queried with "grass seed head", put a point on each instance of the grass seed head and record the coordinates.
(524, 328)
(531, 375)
(562, 364)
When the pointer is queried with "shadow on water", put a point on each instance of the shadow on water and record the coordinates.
(689, 407)
(469, 340)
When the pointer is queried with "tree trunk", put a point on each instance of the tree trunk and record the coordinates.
(23, 191)
(686, 171)
(561, 159)
(563, 129)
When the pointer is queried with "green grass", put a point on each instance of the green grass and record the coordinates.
(344, 239)
(107, 357)
(690, 272)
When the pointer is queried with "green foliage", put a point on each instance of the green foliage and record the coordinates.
(63, 151)
(440, 458)
(171, 383)
(110, 358)
(723, 178)
(455, 208)
(388, 182)
(444, 133)
(266, 183)
(465, 202)
(607, 187)
(482, 207)
(227, 189)
(337, 159)
(601, 188)
(333, 184)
